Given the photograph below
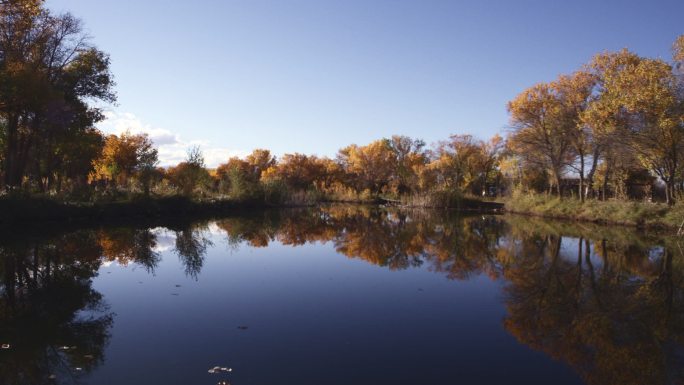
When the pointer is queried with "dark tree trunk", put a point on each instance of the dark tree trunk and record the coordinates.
(669, 191)
(605, 183)
(558, 184)
(592, 172)
(581, 181)
(11, 151)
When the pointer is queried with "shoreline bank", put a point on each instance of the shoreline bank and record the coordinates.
(32, 210)
(641, 215)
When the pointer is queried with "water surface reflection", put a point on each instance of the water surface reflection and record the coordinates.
(605, 302)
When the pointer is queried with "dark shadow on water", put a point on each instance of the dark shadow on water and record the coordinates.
(55, 324)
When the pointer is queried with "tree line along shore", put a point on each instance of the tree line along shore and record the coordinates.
(605, 142)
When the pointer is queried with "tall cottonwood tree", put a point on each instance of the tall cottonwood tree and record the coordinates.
(605, 118)
(637, 105)
(465, 163)
(48, 73)
(649, 95)
(410, 156)
(541, 135)
(491, 155)
(455, 162)
(370, 167)
(575, 95)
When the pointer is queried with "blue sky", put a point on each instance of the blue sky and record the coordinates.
(314, 75)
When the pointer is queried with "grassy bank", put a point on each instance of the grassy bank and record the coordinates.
(630, 213)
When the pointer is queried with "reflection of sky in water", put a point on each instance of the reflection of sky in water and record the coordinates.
(570, 249)
(313, 316)
(166, 239)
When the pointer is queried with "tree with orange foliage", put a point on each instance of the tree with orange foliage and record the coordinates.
(125, 156)
(368, 167)
(241, 177)
(297, 171)
(191, 173)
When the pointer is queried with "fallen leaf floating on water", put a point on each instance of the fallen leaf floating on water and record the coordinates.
(67, 348)
(52, 377)
(89, 356)
(78, 369)
(6, 346)
(219, 369)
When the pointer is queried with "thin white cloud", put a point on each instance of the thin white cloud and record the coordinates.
(172, 149)
(117, 123)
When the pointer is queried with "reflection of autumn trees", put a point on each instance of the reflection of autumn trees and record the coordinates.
(257, 229)
(455, 245)
(465, 247)
(606, 301)
(381, 238)
(609, 302)
(191, 247)
(613, 312)
(55, 322)
(397, 239)
(129, 245)
(126, 245)
(47, 303)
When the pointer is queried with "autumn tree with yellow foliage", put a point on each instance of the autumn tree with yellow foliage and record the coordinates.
(124, 157)
(619, 115)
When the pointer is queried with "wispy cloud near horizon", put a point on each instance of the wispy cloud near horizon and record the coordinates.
(172, 149)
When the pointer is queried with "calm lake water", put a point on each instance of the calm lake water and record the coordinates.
(341, 295)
